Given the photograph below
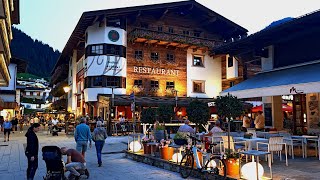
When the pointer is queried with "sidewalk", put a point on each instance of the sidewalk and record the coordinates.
(13, 162)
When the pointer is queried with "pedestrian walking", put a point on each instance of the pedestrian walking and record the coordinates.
(32, 150)
(7, 127)
(82, 135)
(21, 121)
(14, 124)
(99, 135)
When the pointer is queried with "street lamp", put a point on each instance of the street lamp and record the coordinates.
(66, 89)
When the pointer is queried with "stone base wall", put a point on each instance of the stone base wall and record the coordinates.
(167, 165)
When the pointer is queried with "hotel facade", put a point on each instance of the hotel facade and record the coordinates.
(161, 53)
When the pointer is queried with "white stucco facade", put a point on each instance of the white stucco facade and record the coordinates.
(91, 94)
(232, 72)
(99, 35)
(210, 74)
(105, 65)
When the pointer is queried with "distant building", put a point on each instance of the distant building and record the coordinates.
(11, 95)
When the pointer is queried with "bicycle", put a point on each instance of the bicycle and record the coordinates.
(214, 164)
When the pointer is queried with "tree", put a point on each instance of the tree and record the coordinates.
(148, 115)
(230, 107)
(198, 112)
(165, 113)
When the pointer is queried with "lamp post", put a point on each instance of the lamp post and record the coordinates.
(111, 113)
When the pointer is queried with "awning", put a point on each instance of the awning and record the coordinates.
(284, 108)
(296, 80)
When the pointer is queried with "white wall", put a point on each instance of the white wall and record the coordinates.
(99, 35)
(13, 77)
(267, 63)
(232, 72)
(106, 65)
(210, 73)
(91, 94)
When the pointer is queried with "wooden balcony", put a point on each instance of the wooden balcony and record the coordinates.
(169, 39)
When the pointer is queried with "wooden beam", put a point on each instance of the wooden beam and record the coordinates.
(163, 14)
(207, 22)
(94, 20)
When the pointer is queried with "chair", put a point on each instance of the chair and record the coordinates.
(216, 138)
(275, 144)
(252, 131)
(291, 143)
(233, 144)
(316, 145)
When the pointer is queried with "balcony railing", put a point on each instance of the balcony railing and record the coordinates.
(170, 37)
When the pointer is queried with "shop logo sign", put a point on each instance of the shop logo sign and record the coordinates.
(294, 90)
(111, 66)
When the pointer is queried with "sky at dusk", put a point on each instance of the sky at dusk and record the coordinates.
(52, 21)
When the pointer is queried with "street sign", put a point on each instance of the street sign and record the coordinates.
(133, 106)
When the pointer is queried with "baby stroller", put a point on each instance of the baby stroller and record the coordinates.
(54, 163)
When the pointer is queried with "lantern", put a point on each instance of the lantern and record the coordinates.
(135, 146)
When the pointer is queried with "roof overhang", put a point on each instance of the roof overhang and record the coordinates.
(296, 80)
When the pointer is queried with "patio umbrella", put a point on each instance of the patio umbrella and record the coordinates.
(284, 108)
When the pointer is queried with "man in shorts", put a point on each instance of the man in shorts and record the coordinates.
(75, 161)
(82, 135)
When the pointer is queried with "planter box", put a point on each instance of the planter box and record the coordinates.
(146, 148)
(166, 153)
(232, 167)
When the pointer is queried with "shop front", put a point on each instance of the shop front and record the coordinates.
(297, 86)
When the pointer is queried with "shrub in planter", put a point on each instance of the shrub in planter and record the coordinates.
(166, 152)
(181, 138)
(232, 163)
(159, 132)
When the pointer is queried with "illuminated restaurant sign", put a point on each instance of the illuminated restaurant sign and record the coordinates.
(151, 70)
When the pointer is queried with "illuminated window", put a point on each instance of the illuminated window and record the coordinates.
(198, 86)
(198, 61)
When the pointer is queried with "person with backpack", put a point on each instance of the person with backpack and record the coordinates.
(99, 135)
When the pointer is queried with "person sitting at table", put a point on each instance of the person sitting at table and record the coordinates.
(216, 128)
(186, 127)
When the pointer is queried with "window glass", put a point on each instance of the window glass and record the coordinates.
(113, 81)
(154, 56)
(197, 60)
(230, 61)
(138, 82)
(170, 57)
(170, 30)
(185, 32)
(154, 84)
(170, 85)
(96, 50)
(97, 81)
(198, 86)
(138, 55)
(160, 28)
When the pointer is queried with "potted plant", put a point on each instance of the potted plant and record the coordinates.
(166, 152)
(232, 163)
(180, 138)
(146, 147)
(159, 131)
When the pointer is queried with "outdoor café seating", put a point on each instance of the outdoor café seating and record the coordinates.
(290, 142)
(275, 144)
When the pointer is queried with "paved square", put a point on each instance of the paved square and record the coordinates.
(13, 162)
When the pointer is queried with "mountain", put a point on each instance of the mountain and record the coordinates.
(41, 57)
